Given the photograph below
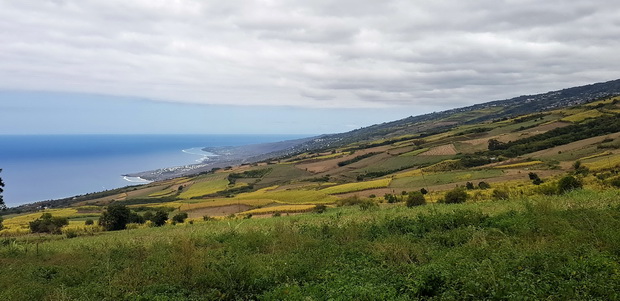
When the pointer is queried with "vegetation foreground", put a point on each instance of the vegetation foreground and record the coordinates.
(538, 247)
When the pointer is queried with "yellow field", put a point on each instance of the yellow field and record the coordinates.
(283, 208)
(289, 196)
(352, 187)
(603, 163)
(519, 165)
(411, 173)
(22, 221)
(204, 188)
(596, 156)
(219, 202)
(582, 116)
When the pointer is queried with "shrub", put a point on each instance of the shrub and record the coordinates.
(89, 222)
(390, 198)
(484, 185)
(423, 191)
(455, 196)
(207, 218)
(48, 224)
(568, 183)
(71, 233)
(415, 198)
(148, 215)
(368, 204)
(320, 208)
(350, 201)
(469, 185)
(615, 182)
(179, 217)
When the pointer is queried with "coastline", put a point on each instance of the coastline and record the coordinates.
(223, 156)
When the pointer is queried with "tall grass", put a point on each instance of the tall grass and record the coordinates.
(553, 248)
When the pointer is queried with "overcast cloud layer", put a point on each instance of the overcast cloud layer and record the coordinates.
(345, 53)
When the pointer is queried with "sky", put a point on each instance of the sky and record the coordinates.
(298, 67)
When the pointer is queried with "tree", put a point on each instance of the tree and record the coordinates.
(179, 217)
(495, 144)
(116, 217)
(568, 183)
(48, 224)
(160, 217)
(2, 205)
(415, 198)
(455, 196)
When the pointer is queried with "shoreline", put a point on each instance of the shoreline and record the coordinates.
(224, 156)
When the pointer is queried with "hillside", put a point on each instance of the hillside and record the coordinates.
(435, 152)
(476, 203)
(418, 126)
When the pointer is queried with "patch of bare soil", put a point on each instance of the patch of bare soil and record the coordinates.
(218, 211)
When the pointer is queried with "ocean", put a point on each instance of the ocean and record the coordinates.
(38, 167)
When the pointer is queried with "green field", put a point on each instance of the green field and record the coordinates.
(431, 179)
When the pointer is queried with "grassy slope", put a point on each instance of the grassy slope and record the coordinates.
(539, 248)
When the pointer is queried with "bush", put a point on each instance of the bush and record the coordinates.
(350, 201)
(423, 191)
(415, 198)
(320, 208)
(48, 224)
(484, 185)
(89, 222)
(455, 196)
(615, 182)
(469, 185)
(160, 217)
(368, 204)
(207, 218)
(179, 217)
(568, 183)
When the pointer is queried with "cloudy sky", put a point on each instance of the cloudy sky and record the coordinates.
(185, 66)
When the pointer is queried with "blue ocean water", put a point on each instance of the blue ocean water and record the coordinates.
(37, 168)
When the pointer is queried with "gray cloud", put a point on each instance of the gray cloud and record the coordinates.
(316, 54)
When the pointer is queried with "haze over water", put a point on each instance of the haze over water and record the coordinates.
(36, 168)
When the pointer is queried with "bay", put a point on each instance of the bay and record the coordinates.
(45, 167)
